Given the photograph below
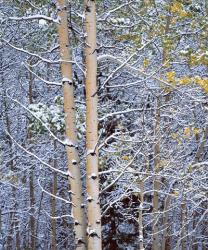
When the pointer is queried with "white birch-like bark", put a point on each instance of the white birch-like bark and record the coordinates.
(94, 214)
(71, 134)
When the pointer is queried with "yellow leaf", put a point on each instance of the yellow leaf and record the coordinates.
(174, 20)
(202, 82)
(193, 60)
(167, 90)
(190, 169)
(183, 14)
(125, 157)
(174, 135)
(179, 141)
(146, 62)
(198, 80)
(175, 193)
(185, 80)
(205, 85)
(171, 76)
(176, 7)
(196, 131)
(166, 64)
(187, 131)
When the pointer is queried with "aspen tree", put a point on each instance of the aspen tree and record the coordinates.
(157, 152)
(156, 181)
(167, 99)
(71, 134)
(165, 237)
(0, 220)
(53, 205)
(94, 215)
(183, 223)
(13, 220)
(140, 221)
(31, 177)
(14, 227)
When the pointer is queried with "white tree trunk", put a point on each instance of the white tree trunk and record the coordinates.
(94, 215)
(71, 134)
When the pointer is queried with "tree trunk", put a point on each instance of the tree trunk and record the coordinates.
(141, 236)
(201, 146)
(183, 224)
(94, 214)
(71, 134)
(165, 238)
(13, 220)
(14, 223)
(53, 205)
(32, 219)
(155, 211)
(156, 181)
(31, 175)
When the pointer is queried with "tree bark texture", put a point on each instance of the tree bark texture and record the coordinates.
(71, 134)
(94, 214)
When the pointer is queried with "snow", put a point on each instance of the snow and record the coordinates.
(90, 151)
(89, 198)
(66, 79)
(83, 205)
(140, 238)
(120, 20)
(74, 162)
(34, 17)
(52, 116)
(91, 231)
(42, 22)
(68, 142)
(69, 174)
(141, 206)
(93, 176)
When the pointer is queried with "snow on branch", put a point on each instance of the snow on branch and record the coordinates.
(36, 157)
(59, 217)
(35, 55)
(120, 113)
(30, 53)
(123, 170)
(137, 71)
(106, 15)
(33, 17)
(40, 78)
(123, 64)
(52, 195)
(44, 125)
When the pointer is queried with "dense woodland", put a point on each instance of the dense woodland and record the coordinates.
(103, 124)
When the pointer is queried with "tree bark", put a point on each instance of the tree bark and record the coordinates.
(32, 221)
(141, 236)
(156, 181)
(71, 134)
(14, 223)
(53, 206)
(183, 224)
(165, 237)
(94, 214)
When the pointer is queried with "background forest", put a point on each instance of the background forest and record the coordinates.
(127, 78)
